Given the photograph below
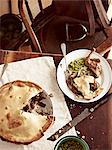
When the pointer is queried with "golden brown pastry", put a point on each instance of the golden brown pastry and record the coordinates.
(20, 121)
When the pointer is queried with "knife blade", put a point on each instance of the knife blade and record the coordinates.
(3, 69)
(5, 65)
(84, 114)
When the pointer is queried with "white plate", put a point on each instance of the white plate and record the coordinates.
(105, 79)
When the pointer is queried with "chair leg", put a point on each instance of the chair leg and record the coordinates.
(29, 28)
(102, 13)
(90, 17)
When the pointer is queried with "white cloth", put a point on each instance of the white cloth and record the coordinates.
(42, 71)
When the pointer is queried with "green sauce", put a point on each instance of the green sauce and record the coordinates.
(70, 145)
(76, 65)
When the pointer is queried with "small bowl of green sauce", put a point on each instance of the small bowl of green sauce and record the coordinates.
(71, 143)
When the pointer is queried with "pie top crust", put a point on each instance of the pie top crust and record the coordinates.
(17, 124)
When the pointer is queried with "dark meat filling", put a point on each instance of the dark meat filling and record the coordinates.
(34, 101)
(26, 108)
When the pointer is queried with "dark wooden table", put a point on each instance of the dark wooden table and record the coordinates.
(95, 129)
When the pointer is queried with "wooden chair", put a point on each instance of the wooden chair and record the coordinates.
(44, 16)
(102, 16)
(37, 24)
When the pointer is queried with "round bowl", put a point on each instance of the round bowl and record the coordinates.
(71, 143)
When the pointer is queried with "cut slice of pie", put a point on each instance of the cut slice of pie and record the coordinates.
(25, 112)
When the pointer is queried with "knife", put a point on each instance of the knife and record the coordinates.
(84, 114)
(5, 65)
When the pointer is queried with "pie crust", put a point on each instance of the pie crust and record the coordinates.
(17, 124)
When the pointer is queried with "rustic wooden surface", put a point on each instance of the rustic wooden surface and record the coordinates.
(107, 44)
(96, 129)
(19, 55)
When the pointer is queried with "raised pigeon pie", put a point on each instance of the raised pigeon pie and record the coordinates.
(25, 112)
